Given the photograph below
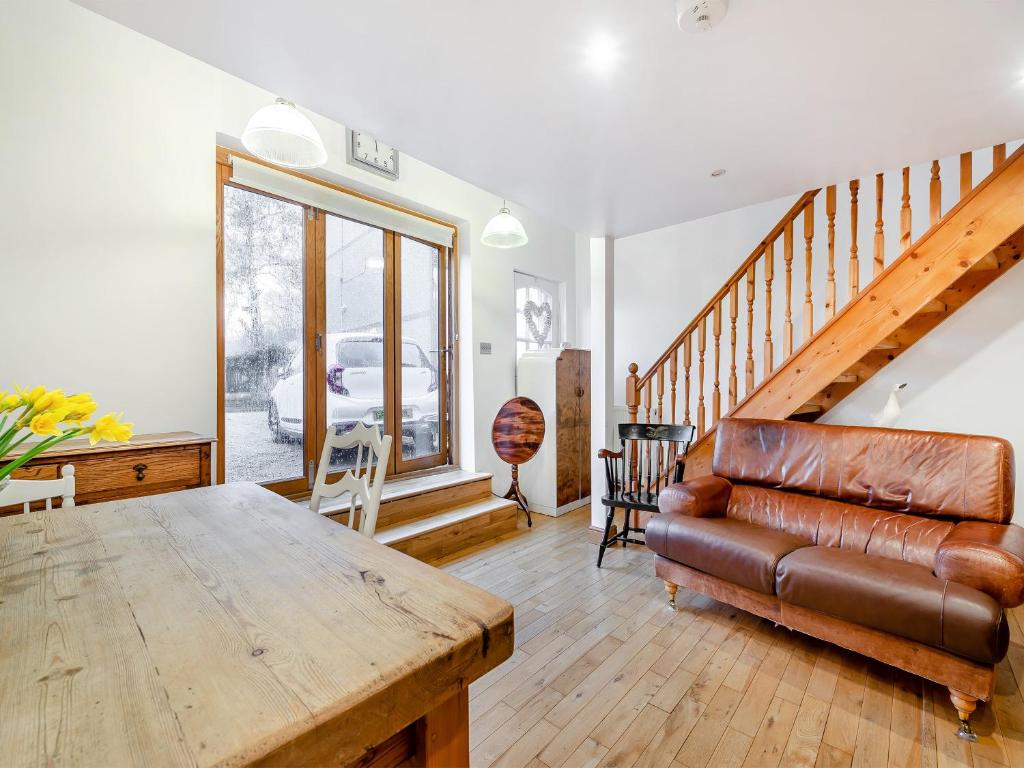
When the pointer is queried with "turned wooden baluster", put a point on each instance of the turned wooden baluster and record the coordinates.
(645, 450)
(751, 277)
(673, 375)
(787, 325)
(808, 240)
(998, 155)
(935, 195)
(905, 212)
(734, 296)
(687, 357)
(702, 328)
(966, 173)
(716, 330)
(879, 253)
(661, 391)
(632, 395)
(830, 278)
(854, 259)
(769, 276)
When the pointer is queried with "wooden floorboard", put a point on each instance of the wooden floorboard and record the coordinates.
(605, 674)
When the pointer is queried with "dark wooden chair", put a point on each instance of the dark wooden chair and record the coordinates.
(637, 472)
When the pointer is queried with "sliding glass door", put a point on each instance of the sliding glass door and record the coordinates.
(326, 322)
(422, 356)
(264, 370)
(355, 345)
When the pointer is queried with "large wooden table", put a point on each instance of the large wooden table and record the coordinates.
(227, 626)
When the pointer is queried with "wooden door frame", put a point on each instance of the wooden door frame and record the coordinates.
(314, 322)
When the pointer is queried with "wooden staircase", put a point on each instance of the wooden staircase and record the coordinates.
(961, 253)
(434, 516)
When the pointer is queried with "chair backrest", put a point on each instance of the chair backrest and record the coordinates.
(24, 492)
(648, 453)
(365, 483)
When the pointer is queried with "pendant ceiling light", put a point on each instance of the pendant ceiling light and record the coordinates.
(282, 135)
(504, 230)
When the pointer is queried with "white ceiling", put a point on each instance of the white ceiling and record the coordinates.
(785, 94)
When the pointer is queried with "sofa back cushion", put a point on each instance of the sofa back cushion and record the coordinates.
(960, 477)
(830, 523)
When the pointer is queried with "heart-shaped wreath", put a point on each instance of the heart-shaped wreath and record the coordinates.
(532, 310)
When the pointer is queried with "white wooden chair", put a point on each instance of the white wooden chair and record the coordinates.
(24, 492)
(367, 485)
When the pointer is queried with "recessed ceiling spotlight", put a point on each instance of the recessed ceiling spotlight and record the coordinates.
(700, 15)
(717, 172)
(602, 53)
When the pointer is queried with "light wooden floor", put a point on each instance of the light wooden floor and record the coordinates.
(604, 674)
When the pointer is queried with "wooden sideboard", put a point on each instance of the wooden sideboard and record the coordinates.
(156, 463)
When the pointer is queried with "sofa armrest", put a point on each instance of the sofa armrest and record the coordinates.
(705, 496)
(986, 556)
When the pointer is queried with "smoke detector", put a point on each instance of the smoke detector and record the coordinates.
(700, 15)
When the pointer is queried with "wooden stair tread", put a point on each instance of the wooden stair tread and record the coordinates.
(846, 378)
(886, 344)
(403, 488)
(934, 307)
(808, 408)
(986, 263)
(412, 529)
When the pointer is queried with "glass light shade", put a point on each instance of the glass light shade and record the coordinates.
(282, 135)
(504, 231)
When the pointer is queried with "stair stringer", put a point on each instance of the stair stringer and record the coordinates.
(983, 220)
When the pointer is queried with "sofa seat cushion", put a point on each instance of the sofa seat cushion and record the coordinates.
(892, 596)
(732, 550)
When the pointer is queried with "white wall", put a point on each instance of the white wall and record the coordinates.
(664, 277)
(107, 225)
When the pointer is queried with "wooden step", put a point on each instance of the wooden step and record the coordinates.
(846, 378)
(807, 409)
(407, 499)
(443, 533)
(934, 307)
(887, 344)
(986, 263)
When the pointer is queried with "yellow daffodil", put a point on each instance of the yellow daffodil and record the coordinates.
(51, 400)
(110, 427)
(8, 402)
(47, 423)
(80, 407)
(29, 396)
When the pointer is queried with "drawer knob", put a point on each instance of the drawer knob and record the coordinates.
(140, 472)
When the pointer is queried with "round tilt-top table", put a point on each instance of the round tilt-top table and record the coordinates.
(517, 434)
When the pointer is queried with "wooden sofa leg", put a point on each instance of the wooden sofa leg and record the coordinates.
(964, 707)
(671, 589)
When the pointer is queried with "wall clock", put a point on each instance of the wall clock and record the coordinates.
(370, 154)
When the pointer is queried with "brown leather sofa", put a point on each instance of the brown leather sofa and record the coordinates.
(892, 543)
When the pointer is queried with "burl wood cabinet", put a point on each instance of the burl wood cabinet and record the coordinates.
(157, 463)
(557, 480)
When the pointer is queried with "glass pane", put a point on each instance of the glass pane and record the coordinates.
(355, 329)
(421, 395)
(263, 314)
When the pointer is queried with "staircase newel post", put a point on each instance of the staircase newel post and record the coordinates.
(632, 392)
(632, 406)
